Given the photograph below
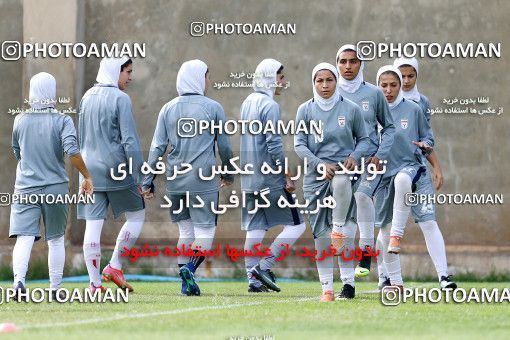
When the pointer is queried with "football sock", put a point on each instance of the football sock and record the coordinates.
(56, 261)
(252, 237)
(287, 237)
(401, 211)
(365, 215)
(435, 245)
(127, 236)
(92, 250)
(21, 256)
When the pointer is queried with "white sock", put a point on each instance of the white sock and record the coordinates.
(127, 236)
(252, 237)
(92, 250)
(435, 245)
(288, 236)
(204, 237)
(186, 238)
(21, 256)
(347, 266)
(341, 189)
(403, 183)
(381, 269)
(366, 219)
(56, 261)
(324, 267)
(391, 261)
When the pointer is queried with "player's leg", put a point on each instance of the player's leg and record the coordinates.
(341, 189)
(20, 259)
(94, 215)
(437, 251)
(365, 217)
(425, 215)
(55, 220)
(384, 279)
(320, 224)
(253, 237)
(346, 264)
(128, 202)
(255, 224)
(391, 260)
(186, 239)
(92, 251)
(293, 228)
(403, 185)
(325, 267)
(204, 222)
(24, 226)
(383, 205)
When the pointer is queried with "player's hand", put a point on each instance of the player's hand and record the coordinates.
(437, 177)
(290, 186)
(87, 187)
(422, 145)
(147, 195)
(376, 161)
(329, 169)
(224, 183)
(350, 163)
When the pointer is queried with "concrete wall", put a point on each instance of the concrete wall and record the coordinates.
(473, 150)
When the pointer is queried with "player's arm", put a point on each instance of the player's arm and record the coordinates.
(87, 187)
(362, 140)
(437, 173)
(15, 143)
(129, 137)
(301, 142)
(224, 149)
(273, 140)
(275, 144)
(426, 138)
(159, 144)
(385, 119)
(70, 147)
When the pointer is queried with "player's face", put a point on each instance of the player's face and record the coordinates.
(390, 85)
(125, 77)
(408, 77)
(280, 82)
(207, 82)
(325, 83)
(348, 64)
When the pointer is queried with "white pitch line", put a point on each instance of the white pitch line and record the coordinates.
(167, 312)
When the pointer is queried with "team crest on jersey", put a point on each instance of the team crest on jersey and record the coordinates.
(341, 121)
(404, 123)
(365, 105)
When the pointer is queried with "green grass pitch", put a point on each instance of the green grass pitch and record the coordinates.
(226, 310)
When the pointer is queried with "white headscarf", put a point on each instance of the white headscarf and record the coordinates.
(325, 104)
(412, 94)
(109, 71)
(350, 86)
(264, 79)
(43, 91)
(191, 77)
(395, 70)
